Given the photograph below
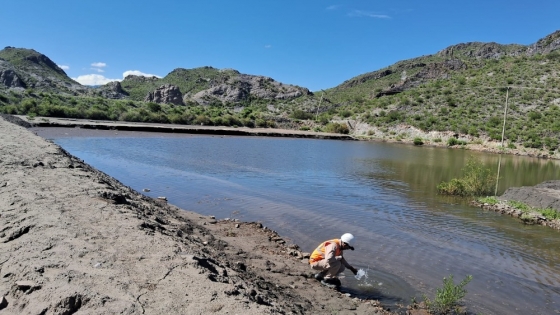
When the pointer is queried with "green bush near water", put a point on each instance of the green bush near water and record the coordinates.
(477, 180)
(336, 128)
(418, 141)
(447, 298)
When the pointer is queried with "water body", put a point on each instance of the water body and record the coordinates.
(407, 236)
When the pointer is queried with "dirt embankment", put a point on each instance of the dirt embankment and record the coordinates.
(74, 240)
(545, 195)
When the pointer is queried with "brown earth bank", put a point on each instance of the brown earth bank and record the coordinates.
(74, 240)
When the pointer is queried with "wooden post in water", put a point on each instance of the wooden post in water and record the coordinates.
(503, 132)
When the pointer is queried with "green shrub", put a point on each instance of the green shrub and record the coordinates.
(299, 114)
(452, 141)
(448, 297)
(418, 141)
(519, 205)
(477, 180)
(550, 213)
(154, 107)
(489, 200)
(345, 113)
(337, 128)
(10, 109)
(96, 114)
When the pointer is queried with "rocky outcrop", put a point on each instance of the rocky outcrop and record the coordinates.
(113, 90)
(545, 45)
(167, 94)
(140, 78)
(436, 70)
(8, 77)
(240, 87)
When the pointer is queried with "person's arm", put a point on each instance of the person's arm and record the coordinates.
(347, 265)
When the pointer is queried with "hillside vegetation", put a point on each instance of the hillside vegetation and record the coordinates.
(456, 96)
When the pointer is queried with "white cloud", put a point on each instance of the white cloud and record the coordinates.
(99, 65)
(267, 46)
(138, 73)
(98, 70)
(97, 79)
(93, 79)
(359, 13)
(63, 67)
(333, 7)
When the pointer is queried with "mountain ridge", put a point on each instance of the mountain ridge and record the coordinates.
(458, 92)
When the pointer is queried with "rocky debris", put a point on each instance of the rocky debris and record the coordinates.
(166, 94)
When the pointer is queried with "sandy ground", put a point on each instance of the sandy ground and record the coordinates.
(76, 241)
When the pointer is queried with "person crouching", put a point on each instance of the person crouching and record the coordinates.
(329, 260)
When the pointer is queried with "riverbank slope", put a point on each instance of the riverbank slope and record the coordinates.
(73, 239)
(359, 131)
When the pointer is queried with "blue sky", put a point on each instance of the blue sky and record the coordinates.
(313, 44)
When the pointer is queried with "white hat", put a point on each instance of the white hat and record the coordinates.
(347, 238)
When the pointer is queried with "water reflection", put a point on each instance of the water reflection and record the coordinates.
(385, 194)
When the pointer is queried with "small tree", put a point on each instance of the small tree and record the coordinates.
(477, 180)
(447, 298)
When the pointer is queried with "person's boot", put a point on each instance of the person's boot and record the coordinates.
(334, 281)
(327, 284)
(331, 282)
(320, 276)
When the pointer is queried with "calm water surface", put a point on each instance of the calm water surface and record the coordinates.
(407, 237)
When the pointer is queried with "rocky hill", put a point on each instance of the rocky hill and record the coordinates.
(453, 60)
(460, 91)
(22, 69)
(207, 85)
(457, 96)
(28, 69)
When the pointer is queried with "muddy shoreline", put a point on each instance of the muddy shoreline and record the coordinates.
(73, 239)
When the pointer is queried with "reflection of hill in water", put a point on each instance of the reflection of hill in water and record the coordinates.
(422, 169)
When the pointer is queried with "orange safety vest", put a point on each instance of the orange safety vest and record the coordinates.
(319, 252)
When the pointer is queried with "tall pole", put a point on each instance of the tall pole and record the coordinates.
(503, 132)
(317, 115)
(505, 114)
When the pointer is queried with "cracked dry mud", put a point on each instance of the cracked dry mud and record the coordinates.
(76, 241)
